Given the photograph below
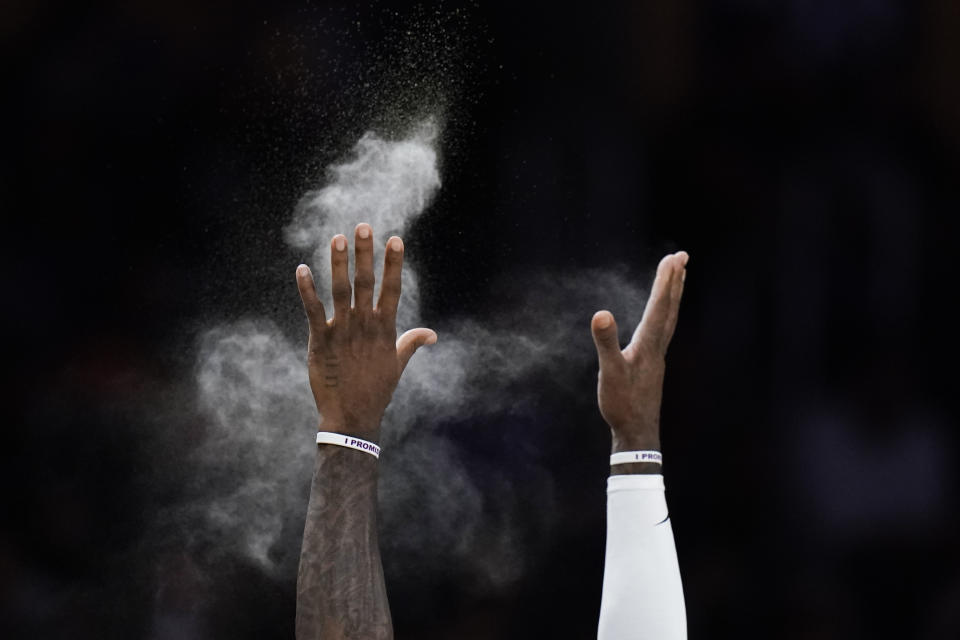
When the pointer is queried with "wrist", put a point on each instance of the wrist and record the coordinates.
(621, 441)
(357, 429)
(635, 440)
(355, 450)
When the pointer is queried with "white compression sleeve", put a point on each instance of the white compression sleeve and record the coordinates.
(642, 592)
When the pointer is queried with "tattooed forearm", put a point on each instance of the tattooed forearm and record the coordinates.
(354, 360)
(340, 589)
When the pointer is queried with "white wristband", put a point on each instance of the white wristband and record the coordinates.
(327, 437)
(626, 457)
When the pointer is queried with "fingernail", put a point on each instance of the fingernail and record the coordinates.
(302, 270)
(363, 232)
(340, 243)
(396, 244)
(603, 321)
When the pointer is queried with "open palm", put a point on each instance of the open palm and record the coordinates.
(354, 358)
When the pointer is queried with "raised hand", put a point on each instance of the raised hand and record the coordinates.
(630, 383)
(354, 358)
(355, 363)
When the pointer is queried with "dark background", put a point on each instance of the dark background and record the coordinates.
(804, 153)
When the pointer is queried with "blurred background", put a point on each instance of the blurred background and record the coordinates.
(805, 153)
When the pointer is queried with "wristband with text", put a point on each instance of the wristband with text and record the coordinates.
(627, 457)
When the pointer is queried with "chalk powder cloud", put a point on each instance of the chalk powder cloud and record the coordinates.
(253, 389)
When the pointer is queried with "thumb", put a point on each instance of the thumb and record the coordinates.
(412, 340)
(604, 330)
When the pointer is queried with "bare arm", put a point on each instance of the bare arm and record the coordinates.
(340, 588)
(355, 363)
(642, 592)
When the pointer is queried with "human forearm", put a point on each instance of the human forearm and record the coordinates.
(340, 588)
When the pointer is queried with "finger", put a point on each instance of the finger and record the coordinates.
(412, 340)
(308, 295)
(339, 280)
(390, 288)
(650, 331)
(676, 293)
(363, 268)
(603, 326)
